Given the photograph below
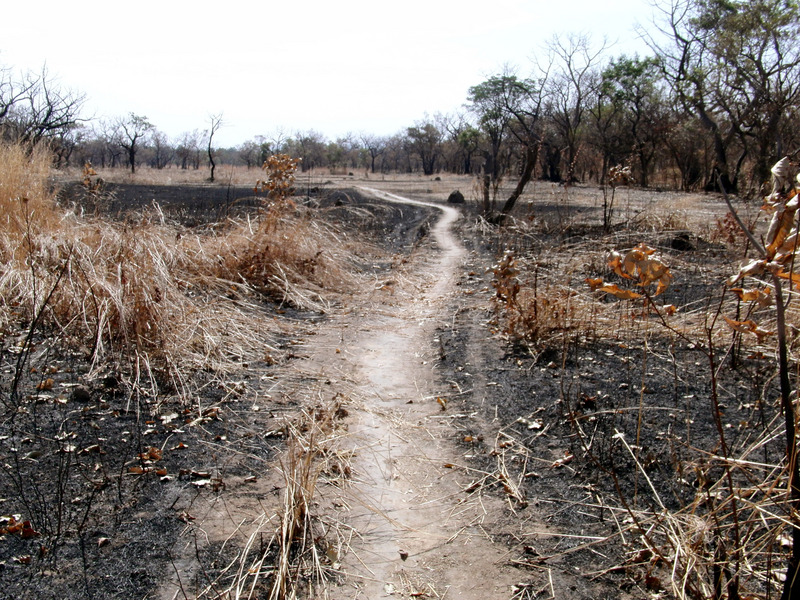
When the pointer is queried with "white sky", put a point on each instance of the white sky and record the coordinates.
(335, 67)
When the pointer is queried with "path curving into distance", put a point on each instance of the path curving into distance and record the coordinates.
(412, 528)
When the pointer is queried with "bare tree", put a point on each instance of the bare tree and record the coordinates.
(216, 123)
(249, 153)
(11, 92)
(133, 130)
(33, 107)
(374, 145)
(188, 150)
(309, 146)
(572, 85)
(162, 150)
(735, 66)
(107, 134)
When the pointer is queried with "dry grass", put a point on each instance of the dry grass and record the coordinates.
(731, 536)
(297, 554)
(165, 299)
(224, 175)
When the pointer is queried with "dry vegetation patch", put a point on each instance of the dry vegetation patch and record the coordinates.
(127, 347)
(628, 407)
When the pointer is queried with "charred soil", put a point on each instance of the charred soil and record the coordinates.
(461, 455)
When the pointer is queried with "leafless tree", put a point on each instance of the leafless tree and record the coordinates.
(375, 145)
(188, 150)
(309, 146)
(34, 107)
(162, 150)
(734, 66)
(132, 131)
(216, 123)
(573, 82)
(249, 153)
(107, 134)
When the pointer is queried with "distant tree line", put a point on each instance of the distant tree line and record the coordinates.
(715, 104)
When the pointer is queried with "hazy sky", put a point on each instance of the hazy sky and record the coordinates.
(335, 67)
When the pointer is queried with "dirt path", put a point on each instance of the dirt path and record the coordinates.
(406, 527)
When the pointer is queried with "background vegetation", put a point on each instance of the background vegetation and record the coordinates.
(718, 97)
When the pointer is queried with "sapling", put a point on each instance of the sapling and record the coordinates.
(775, 263)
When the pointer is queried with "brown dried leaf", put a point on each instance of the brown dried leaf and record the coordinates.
(568, 456)
(151, 453)
(793, 277)
(652, 582)
(789, 245)
(748, 326)
(45, 385)
(614, 290)
(615, 262)
(780, 227)
(669, 309)
(663, 283)
(762, 296)
(756, 267)
(594, 283)
(781, 173)
(28, 531)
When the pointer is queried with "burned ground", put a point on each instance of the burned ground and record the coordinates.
(578, 430)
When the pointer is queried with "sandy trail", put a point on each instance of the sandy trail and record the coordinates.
(401, 525)
(414, 530)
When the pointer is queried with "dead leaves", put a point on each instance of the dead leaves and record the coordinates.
(45, 385)
(594, 283)
(618, 292)
(640, 265)
(748, 326)
(280, 176)
(152, 454)
(14, 525)
(563, 461)
(762, 296)
(778, 254)
(752, 269)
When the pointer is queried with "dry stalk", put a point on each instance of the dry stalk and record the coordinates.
(294, 556)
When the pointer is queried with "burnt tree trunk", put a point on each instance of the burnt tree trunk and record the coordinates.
(531, 155)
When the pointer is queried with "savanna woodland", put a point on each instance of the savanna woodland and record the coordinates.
(544, 347)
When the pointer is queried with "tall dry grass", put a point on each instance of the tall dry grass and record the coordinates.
(162, 298)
